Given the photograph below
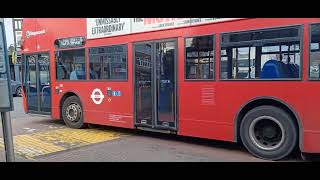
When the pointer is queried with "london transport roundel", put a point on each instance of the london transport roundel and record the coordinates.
(97, 96)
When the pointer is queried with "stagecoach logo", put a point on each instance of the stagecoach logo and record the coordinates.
(97, 96)
(30, 33)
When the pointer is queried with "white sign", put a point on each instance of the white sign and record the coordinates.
(150, 24)
(105, 27)
(196, 21)
(97, 98)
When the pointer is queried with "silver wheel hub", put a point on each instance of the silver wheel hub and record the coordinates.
(73, 111)
(267, 133)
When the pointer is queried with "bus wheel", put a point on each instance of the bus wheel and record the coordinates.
(72, 113)
(268, 132)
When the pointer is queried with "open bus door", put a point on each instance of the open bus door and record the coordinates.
(36, 83)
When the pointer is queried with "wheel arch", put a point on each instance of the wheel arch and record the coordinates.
(267, 100)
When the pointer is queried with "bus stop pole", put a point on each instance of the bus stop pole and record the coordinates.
(7, 136)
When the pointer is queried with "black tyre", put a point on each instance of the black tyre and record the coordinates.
(72, 113)
(268, 132)
(19, 92)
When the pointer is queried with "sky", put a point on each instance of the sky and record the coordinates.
(9, 31)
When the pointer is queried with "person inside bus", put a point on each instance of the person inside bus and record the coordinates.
(95, 72)
(77, 73)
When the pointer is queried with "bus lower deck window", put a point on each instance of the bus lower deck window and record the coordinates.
(108, 62)
(70, 64)
(263, 54)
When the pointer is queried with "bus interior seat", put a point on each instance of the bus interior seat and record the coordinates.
(294, 70)
(276, 69)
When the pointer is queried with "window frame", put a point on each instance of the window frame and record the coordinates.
(300, 37)
(70, 49)
(214, 57)
(110, 80)
(309, 50)
(24, 60)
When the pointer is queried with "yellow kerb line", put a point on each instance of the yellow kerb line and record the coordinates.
(42, 143)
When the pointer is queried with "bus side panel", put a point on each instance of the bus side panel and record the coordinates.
(196, 117)
(311, 121)
(311, 141)
(229, 97)
(29, 40)
(301, 97)
(115, 108)
(197, 106)
(311, 96)
(58, 28)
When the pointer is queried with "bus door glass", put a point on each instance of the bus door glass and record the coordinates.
(38, 91)
(155, 84)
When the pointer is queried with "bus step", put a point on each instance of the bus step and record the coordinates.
(157, 130)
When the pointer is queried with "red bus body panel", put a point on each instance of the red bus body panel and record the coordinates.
(196, 117)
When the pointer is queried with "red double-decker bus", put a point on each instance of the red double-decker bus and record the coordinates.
(254, 80)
